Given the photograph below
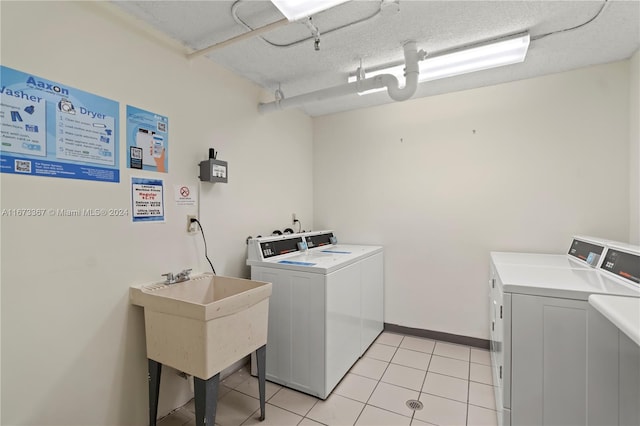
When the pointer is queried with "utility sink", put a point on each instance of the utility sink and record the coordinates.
(205, 324)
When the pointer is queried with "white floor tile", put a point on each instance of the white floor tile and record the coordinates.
(294, 401)
(450, 350)
(442, 411)
(405, 377)
(369, 367)
(236, 378)
(222, 391)
(481, 416)
(191, 405)
(413, 359)
(380, 352)
(373, 416)
(446, 386)
(480, 373)
(234, 408)
(356, 387)
(374, 392)
(177, 418)
(336, 410)
(393, 398)
(418, 344)
(449, 367)
(482, 395)
(416, 422)
(391, 339)
(274, 416)
(480, 356)
(308, 422)
(250, 387)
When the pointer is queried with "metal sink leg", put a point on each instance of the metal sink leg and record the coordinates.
(155, 370)
(261, 357)
(206, 391)
(206, 395)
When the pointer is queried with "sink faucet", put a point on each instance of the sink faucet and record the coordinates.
(183, 275)
(170, 278)
(177, 278)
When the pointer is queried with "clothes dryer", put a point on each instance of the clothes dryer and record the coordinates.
(539, 334)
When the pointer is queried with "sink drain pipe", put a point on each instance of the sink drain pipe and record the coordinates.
(411, 56)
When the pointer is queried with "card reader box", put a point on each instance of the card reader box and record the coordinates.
(212, 170)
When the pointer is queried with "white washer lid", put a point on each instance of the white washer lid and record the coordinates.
(623, 312)
(538, 259)
(565, 283)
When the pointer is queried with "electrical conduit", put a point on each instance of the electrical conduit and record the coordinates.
(412, 70)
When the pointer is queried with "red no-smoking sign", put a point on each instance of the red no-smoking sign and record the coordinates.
(185, 195)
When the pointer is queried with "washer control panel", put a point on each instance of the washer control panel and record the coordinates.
(263, 248)
(278, 247)
(622, 264)
(587, 252)
(323, 239)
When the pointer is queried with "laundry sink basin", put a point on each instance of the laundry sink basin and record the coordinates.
(205, 324)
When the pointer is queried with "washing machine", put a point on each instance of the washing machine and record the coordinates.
(325, 310)
(539, 333)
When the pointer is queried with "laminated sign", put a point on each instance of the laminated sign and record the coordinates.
(147, 200)
(147, 140)
(50, 129)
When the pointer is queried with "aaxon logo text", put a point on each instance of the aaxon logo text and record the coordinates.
(47, 86)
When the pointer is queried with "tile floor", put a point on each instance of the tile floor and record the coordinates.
(453, 382)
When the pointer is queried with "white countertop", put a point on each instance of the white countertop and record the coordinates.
(623, 312)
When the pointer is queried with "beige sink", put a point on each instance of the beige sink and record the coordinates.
(203, 325)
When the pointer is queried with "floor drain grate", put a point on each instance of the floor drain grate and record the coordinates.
(414, 404)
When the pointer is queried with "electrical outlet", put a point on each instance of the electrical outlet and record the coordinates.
(293, 218)
(192, 227)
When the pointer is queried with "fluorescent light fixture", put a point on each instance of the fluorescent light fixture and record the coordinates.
(298, 9)
(503, 52)
(506, 51)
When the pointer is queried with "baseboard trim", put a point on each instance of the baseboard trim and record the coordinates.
(438, 335)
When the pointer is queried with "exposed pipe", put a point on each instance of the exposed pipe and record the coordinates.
(411, 57)
(238, 38)
(411, 72)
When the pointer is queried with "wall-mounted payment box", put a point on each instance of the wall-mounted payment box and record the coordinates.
(212, 170)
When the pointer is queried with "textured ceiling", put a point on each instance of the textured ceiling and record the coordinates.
(435, 25)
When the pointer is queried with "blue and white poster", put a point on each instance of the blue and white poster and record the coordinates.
(147, 140)
(49, 129)
(147, 199)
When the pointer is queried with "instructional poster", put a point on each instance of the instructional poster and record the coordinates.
(147, 140)
(48, 129)
(147, 200)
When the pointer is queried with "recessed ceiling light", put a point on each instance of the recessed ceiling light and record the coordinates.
(298, 9)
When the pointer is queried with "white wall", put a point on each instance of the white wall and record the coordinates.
(441, 181)
(634, 148)
(72, 347)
